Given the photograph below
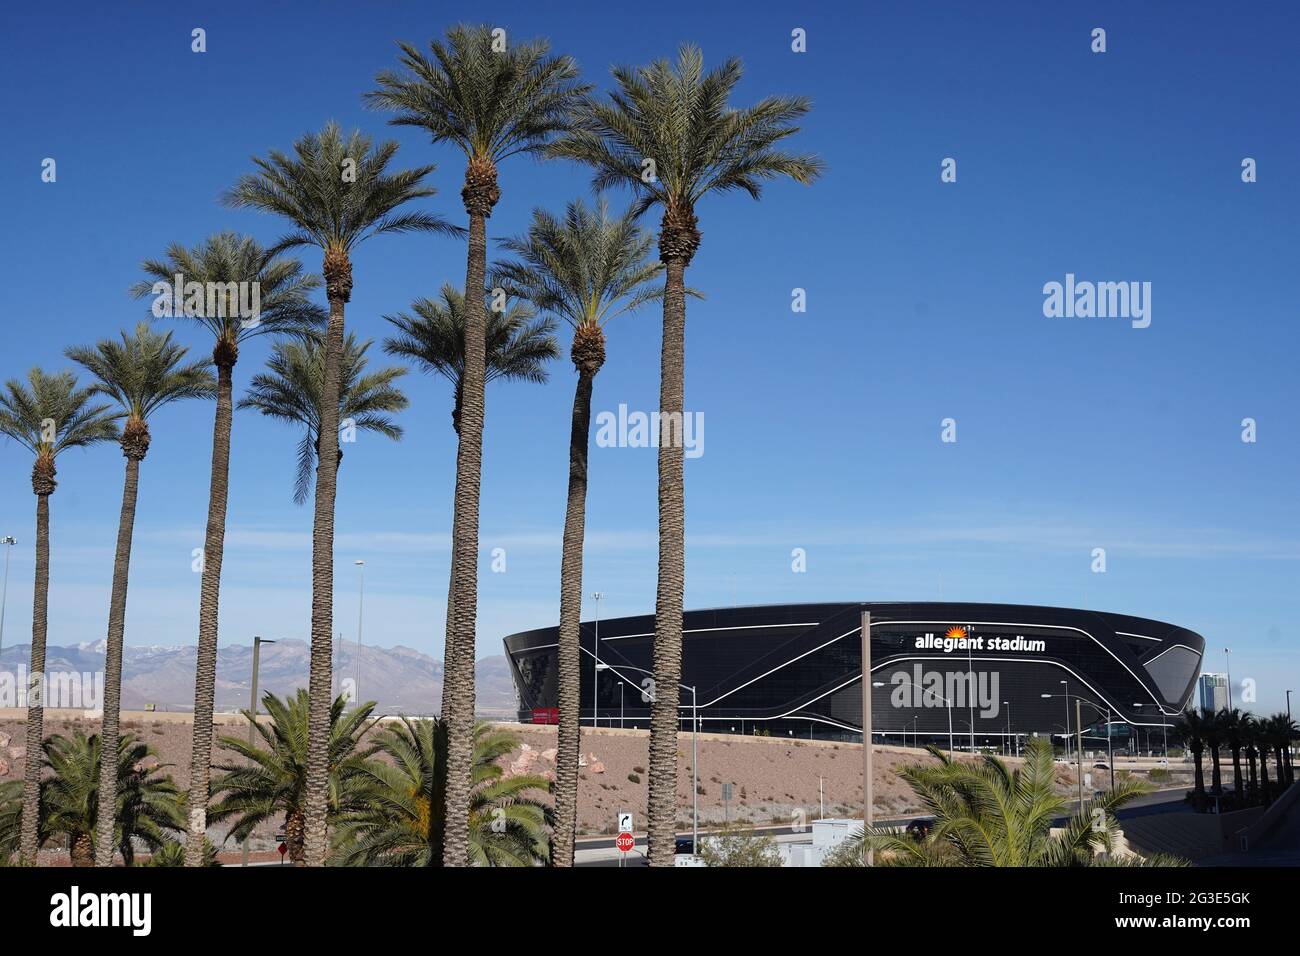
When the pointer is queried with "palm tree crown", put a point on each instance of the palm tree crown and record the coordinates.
(284, 303)
(50, 414)
(518, 343)
(337, 191)
(400, 822)
(586, 268)
(142, 373)
(490, 98)
(291, 391)
(677, 117)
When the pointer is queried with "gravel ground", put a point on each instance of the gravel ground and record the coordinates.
(774, 780)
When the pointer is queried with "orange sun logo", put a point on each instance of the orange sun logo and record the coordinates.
(956, 632)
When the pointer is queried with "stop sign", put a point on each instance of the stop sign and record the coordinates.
(625, 842)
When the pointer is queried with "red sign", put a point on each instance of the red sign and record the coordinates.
(283, 849)
(546, 715)
(625, 842)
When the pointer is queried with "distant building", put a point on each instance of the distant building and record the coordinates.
(1214, 692)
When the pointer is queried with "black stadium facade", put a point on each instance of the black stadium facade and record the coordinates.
(995, 670)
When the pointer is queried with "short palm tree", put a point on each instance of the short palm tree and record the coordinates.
(141, 373)
(291, 391)
(492, 100)
(47, 415)
(337, 192)
(11, 818)
(586, 268)
(518, 343)
(986, 814)
(271, 779)
(284, 308)
(670, 134)
(148, 804)
(402, 823)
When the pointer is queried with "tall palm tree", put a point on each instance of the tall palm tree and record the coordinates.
(1250, 739)
(337, 192)
(1232, 725)
(1191, 729)
(147, 804)
(47, 416)
(284, 308)
(401, 823)
(586, 268)
(518, 344)
(987, 814)
(272, 777)
(291, 391)
(492, 100)
(141, 373)
(670, 134)
(1212, 732)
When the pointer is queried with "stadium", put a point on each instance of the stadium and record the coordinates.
(989, 674)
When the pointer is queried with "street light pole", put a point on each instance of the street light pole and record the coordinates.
(252, 706)
(1078, 726)
(595, 673)
(9, 541)
(1067, 724)
(868, 818)
(361, 603)
(695, 775)
(1227, 667)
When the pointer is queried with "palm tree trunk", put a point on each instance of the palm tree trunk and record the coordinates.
(570, 652)
(82, 851)
(1198, 754)
(458, 676)
(36, 688)
(205, 665)
(1251, 767)
(321, 678)
(294, 832)
(664, 714)
(110, 730)
(1264, 787)
(1216, 778)
(1236, 773)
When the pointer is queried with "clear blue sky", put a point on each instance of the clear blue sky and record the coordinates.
(822, 429)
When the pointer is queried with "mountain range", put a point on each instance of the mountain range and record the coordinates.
(400, 679)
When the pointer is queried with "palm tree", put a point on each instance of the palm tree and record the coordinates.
(518, 344)
(401, 823)
(291, 391)
(1212, 732)
(586, 268)
(1250, 739)
(232, 263)
(670, 134)
(986, 814)
(147, 803)
(337, 192)
(141, 373)
(1191, 728)
(1232, 725)
(273, 777)
(492, 100)
(1280, 730)
(47, 416)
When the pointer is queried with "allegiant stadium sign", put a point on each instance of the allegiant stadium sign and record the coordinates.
(960, 639)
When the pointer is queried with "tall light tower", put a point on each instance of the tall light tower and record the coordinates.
(595, 669)
(1227, 674)
(9, 542)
